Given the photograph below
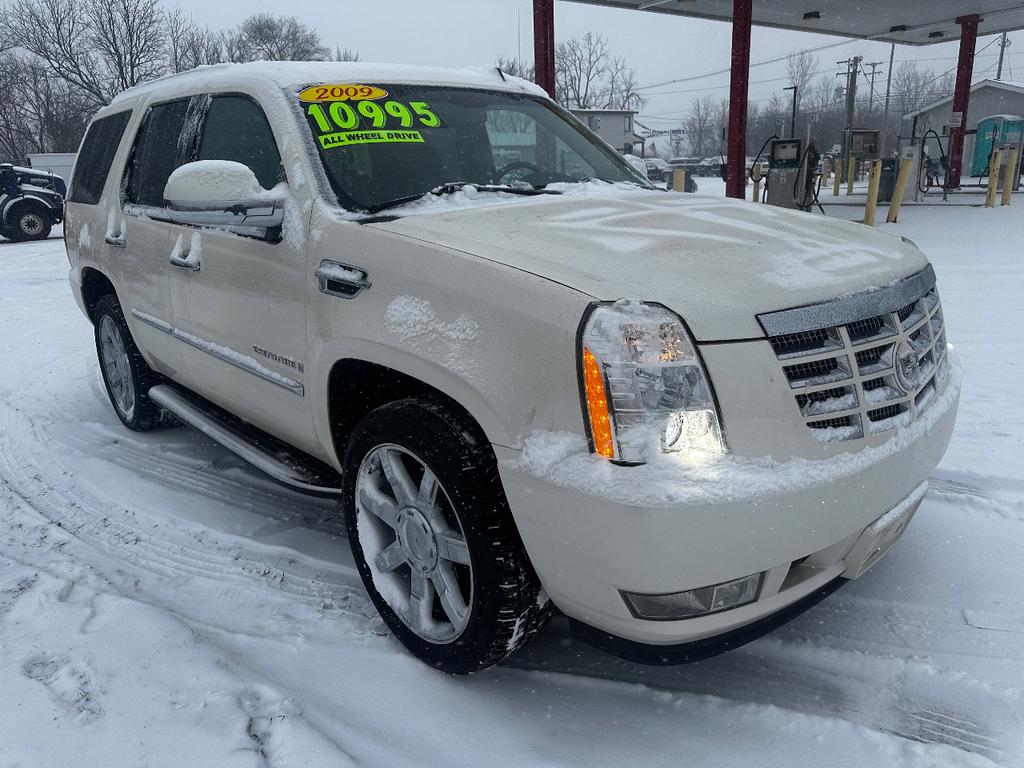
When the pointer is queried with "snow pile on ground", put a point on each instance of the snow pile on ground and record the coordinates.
(163, 604)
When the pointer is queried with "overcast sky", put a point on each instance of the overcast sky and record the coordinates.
(472, 32)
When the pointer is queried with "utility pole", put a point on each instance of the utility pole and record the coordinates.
(888, 90)
(852, 65)
(874, 71)
(1003, 45)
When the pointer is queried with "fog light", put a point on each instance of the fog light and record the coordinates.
(694, 602)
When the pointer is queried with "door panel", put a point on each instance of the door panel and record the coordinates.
(239, 302)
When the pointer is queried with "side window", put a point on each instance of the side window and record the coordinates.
(156, 153)
(236, 129)
(96, 156)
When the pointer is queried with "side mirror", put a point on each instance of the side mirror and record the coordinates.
(223, 193)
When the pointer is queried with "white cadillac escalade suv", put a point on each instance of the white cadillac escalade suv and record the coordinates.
(531, 379)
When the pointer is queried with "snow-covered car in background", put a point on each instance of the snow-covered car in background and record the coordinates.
(658, 169)
(531, 384)
(31, 202)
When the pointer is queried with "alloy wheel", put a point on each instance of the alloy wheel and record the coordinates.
(116, 367)
(414, 544)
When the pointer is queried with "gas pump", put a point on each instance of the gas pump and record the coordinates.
(792, 174)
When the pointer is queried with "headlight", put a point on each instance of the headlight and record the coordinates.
(644, 387)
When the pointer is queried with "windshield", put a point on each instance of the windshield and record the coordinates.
(386, 144)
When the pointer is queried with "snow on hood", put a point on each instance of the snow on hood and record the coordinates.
(717, 262)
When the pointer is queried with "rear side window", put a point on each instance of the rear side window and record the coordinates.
(236, 129)
(96, 156)
(157, 152)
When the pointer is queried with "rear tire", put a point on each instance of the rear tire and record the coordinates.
(29, 222)
(434, 540)
(126, 376)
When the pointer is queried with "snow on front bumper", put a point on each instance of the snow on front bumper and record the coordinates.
(593, 528)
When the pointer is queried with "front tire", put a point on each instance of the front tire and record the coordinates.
(433, 538)
(126, 376)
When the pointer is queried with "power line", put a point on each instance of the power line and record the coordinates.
(773, 60)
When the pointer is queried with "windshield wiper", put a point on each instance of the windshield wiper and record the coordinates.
(451, 187)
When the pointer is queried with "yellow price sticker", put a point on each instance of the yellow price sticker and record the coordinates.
(341, 92)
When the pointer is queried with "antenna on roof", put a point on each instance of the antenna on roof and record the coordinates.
(502, 74)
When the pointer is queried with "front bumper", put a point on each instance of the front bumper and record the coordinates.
(587, 548)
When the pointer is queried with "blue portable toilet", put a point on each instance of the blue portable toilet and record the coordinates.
(993, 131)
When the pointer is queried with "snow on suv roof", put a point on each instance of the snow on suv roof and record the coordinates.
(293, 73)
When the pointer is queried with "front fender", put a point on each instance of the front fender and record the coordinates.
(405, 362)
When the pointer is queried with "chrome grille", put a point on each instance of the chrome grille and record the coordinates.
(866, 374)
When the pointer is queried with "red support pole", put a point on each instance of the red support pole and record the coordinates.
(736, 181)
(544, 44)
(961, 96)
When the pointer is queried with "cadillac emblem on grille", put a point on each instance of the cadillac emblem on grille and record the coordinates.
(908, 368)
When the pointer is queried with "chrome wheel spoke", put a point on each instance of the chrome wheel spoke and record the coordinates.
(377, 504)
(452, 547)
(421, 601)
(390, 557)
(398, 477)
(450, 594)
(426, 497)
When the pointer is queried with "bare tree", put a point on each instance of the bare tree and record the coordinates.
(265, 37)
(99, 47)
(621, 86)
(801, 67)
(697, 122)
(580, 68)
(189, 45)
(345, 54)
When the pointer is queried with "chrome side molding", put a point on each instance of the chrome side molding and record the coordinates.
(237, 359)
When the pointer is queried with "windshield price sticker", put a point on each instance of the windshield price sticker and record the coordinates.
(339, 121)
(348, 138)
(341, 92)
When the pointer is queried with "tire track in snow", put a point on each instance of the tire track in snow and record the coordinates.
(168, 547)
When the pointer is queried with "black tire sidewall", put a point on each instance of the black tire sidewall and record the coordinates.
(145, 415)
(23, 210)
(496, 554)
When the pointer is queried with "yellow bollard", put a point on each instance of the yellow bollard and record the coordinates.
(901, 189)
(849, 175)
(826, 171)
(679, 180)
(836, 181)
(1011, 167)
(756, 176)
(872, 202)
(993, 179)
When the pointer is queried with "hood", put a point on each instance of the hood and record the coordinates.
(717, 262)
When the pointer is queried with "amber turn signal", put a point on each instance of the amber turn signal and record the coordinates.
(597, 406)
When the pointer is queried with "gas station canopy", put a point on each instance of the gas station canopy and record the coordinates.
(923, 22)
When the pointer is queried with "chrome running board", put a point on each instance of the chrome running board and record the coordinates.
(281, 462)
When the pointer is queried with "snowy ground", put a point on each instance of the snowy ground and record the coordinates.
(161, 604)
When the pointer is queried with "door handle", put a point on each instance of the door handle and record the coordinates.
(187, 259)
(341, 280)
